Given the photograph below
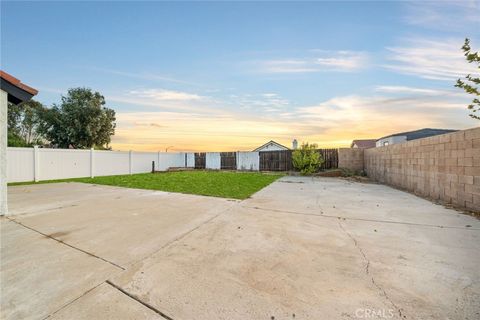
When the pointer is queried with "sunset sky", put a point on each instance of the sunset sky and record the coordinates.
(224, 76)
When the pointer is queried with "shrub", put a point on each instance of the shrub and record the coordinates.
(307, 159)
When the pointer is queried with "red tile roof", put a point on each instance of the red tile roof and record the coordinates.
(367, 143)
(17, 83)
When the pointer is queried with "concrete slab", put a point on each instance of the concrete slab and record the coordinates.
(105, 302)
(40, 275)
(354, 200)
(301, 248)
(262, 262)
(429, 273)
(246, 265)
(119, 224)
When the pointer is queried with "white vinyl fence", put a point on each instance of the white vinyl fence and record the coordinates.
(248, 161)
(212, 160)
(35, 164)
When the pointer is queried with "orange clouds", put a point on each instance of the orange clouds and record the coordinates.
(333, 123)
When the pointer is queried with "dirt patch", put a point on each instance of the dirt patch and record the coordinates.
(360, 179)
(329, 173)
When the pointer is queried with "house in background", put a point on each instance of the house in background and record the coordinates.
(271, 146)
(410, 135)
(364, 144)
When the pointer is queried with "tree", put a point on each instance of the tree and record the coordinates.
(471, 83)
(80, 121)
(23, 122)
(307, 159)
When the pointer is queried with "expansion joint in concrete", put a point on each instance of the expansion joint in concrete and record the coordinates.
(69, 303)
(134, 297)
(66, 244)
(180, 237)
(322, 215)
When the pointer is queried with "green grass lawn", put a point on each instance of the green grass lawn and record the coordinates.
(236, 185)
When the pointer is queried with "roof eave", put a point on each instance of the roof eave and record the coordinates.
(17, 92)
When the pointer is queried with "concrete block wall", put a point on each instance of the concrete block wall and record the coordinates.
(351, 158)
(445, 168)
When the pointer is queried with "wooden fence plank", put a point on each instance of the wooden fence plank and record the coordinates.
(228, 160)
(200, 160)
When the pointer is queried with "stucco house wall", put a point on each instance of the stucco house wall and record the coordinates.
(391, 140)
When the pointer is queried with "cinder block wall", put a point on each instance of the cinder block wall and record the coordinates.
(445, 168)
(351, 158)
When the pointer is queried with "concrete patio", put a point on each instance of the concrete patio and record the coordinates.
(302, 248)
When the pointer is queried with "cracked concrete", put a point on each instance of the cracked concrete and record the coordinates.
(367, 270)
(302, 248)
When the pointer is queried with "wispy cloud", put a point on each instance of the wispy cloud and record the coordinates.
(460, 15)
(287, 66)
(166, 100)
(322, 61)
(377, 115)
(415, 90)
(430, 59)
(344, 61)
(331, 123)
(258, 103)
(166, 95)
(143, 76)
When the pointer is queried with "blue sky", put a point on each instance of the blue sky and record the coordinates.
(230, 75)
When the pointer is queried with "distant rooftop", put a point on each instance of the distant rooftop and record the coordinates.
(365, 143)
(418, 134)
(273, 143)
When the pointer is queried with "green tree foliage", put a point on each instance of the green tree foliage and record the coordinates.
(14, 140)
(80, 121)
(471, 83)
(307, 159)
(23, 123)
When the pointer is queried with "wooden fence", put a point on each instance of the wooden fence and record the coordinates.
(228, 160)
(282, 160)
(200, 160)
(276, 160)
(268, 160)
(330, 157)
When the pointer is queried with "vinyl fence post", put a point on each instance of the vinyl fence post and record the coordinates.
(36, 164)
(91, 163)
(158, 162)
(237, 160)
(130, 162)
